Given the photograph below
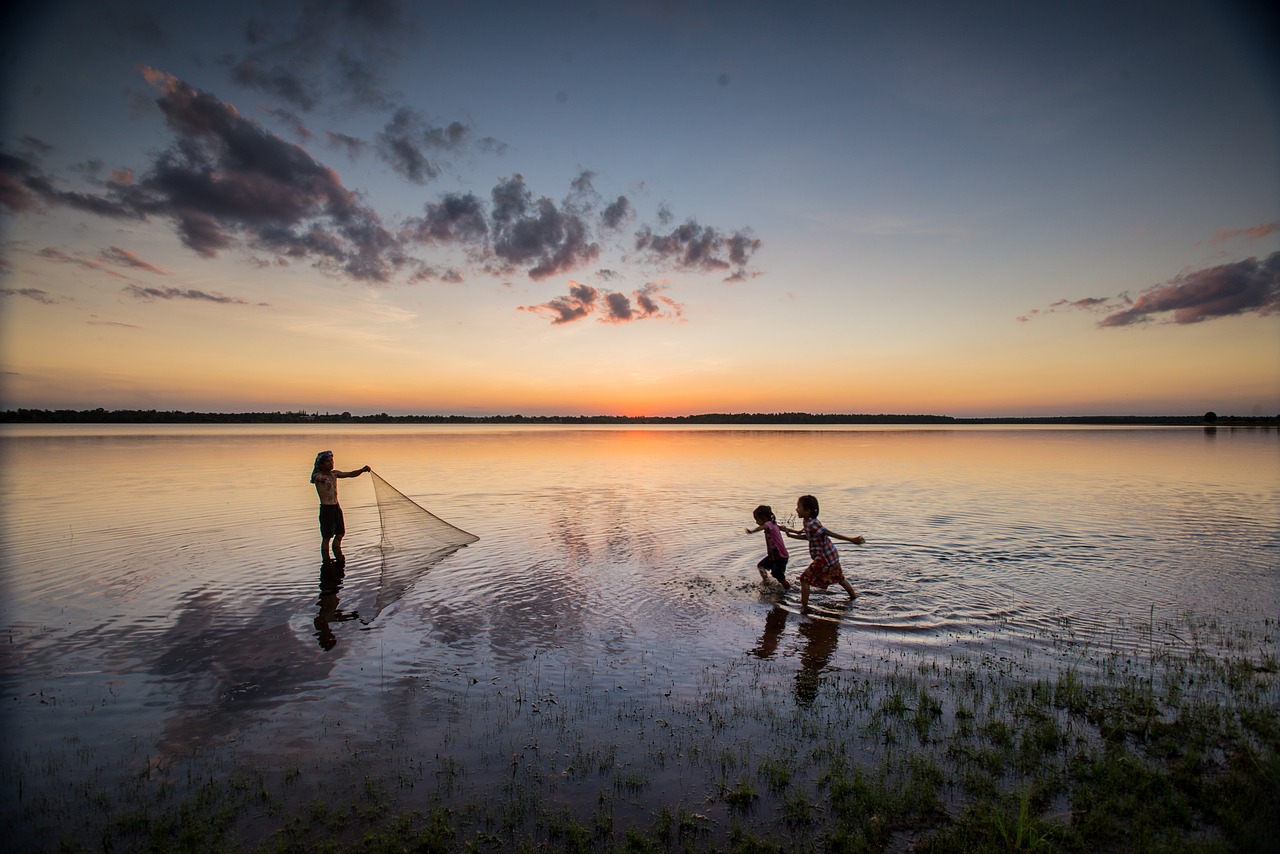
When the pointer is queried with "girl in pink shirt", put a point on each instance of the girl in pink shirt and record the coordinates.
(775, 562)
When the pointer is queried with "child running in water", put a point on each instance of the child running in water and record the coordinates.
(825, 566)
(775, 561)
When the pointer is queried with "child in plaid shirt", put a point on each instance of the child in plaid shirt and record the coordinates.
(824, 569)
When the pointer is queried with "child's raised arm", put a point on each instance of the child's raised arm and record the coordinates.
(857, 541)
(757, 529)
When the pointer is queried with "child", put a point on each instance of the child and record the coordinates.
(825, 566)
(775, 562)
(332, 526)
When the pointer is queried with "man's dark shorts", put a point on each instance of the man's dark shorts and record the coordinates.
(331, 523)
(776, 566)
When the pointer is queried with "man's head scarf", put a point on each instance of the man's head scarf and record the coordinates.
(315, 469)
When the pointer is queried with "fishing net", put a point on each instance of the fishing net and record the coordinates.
(413, 541)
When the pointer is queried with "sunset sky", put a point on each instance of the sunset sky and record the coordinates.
(641, 207)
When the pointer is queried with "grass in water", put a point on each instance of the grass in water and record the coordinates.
(1173, 747)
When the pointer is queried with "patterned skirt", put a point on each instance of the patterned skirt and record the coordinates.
(822, 574)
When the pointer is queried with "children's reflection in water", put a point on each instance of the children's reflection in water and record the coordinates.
(331, 575)
(821, 638)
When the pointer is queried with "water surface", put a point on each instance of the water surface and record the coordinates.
(163, 590)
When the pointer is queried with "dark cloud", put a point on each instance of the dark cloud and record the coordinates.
(290, 120)
(24, 187)
(277, 81)
(456, 218)
(536, 234)
(612, 306)
(15, 194)
(351, 145)
(409, 144)
(518, 230)
(31, 293)
(616, 214)
(699, 248)
(1251, 286)
(180, 293)
(227, 181)
(321, 56)
(1244, 287)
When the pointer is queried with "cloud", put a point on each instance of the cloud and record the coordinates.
(150, 294)
(1253, 232)
(536, 234)
(290, 120)
(317, 59)
(1244, 287)
(617, 213)
(1251, 286)
(24, 187)
(579, 303)
(641, 305)
(409, 142)
(351, 145)
(95, 264)
(699, 248)
(456, 218)
(613, 306)
(31, 293)
(227, 181)
(276, 80)
(125, 258)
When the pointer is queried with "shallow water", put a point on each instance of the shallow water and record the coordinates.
(162, 585)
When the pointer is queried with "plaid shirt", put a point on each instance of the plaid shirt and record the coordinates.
(821, 549)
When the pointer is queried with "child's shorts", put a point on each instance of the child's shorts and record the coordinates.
(777, 567)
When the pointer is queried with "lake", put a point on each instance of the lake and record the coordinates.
(163, 592)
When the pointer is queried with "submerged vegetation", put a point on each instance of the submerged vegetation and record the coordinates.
(1172, 744)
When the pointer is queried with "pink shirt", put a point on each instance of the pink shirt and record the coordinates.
(773, 540)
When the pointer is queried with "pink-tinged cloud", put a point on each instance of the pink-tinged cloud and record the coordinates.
(579, 303)
(1254, 232)
(612, 306)
(1244, 287)
(61, 257)
(125, 258)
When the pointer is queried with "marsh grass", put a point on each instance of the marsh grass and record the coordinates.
(1172, 743)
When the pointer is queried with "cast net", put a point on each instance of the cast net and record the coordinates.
(413, 541)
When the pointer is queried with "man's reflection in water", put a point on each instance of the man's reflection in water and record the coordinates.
(821, 638)
(331, 575)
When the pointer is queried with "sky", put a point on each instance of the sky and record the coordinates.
(641, 207)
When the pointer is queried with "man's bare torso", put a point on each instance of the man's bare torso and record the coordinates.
(327, 487)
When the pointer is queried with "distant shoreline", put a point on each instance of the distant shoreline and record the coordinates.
(152, 416)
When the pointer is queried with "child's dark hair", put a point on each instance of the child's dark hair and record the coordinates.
(764, 513)
(810, 504)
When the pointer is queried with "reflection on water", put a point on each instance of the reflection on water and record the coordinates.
(185, 615)
(331, 575)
